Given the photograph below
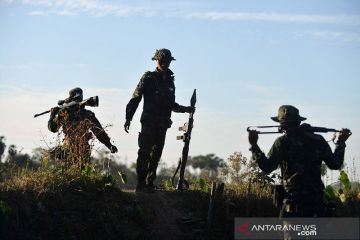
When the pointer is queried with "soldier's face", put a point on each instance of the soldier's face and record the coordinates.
(290, 126)
(163, 64)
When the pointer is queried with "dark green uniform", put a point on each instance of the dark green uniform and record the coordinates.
(76, 125)
(299, 155)
(159, 102)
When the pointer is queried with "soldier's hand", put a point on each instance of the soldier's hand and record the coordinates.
(253, 137)
(344, 134)
(127, 126)
(190, 109)
(54, 111)
(113, 149)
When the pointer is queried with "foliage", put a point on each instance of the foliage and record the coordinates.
(239, 169)
(17, 158)
(88, 170)
(109, 180)
(200, 184)
(166, 185)
(209, 162)
(231, 170)
(5, 209)
(108, 164)
(344, 180)
(329, 193)
(67, 203)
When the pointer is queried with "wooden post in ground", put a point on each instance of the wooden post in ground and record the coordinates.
(248, 193)
(211, 203)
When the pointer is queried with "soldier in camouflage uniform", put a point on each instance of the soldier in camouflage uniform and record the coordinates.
(76, 123)
(299, 154)
(158, 90)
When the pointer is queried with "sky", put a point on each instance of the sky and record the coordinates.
(245, 58)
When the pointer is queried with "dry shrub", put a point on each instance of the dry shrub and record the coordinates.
(47, 179)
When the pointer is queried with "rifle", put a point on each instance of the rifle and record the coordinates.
(92, 102)
(187, 128)
(304, 127)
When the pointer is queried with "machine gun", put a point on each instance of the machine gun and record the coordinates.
(92, 102)
(187, 128)
(304, 127)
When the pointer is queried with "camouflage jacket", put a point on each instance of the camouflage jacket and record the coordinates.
(159, 99)
(76, 125)
(300, 155)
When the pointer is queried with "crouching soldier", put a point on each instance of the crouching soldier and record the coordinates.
(78, 125)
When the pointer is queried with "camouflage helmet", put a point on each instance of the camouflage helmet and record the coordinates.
(76, 94)
(288, 113)
(163, 54)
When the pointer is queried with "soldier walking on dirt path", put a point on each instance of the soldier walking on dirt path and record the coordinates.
(158, 90)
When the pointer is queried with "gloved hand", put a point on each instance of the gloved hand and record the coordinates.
(127, 126)
(54, 111)
(344, 134)
(253, 137)
(113, 149)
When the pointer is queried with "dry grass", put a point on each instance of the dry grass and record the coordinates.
(49, 179)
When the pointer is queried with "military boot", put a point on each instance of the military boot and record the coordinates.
(144, 188)
(151, 186)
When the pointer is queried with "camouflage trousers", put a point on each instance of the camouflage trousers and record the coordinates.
(151, 143)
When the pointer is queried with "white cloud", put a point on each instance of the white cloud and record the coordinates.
(104, 8)
(77, 7)
(278, 17)
(37, 66)
(24, 66)
(37, 13)
(65, 13)
(331, 36)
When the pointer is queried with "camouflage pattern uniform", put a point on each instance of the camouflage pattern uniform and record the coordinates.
(76, 123)
(159, 102)
(299, 155)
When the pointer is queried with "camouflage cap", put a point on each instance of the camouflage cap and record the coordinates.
(163, 54)
(288, 113)
(76, 94)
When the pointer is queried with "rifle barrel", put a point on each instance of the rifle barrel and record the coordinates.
(92, 102)
(39, 114)
(304, 127)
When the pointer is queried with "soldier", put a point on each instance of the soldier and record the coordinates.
(299, 154)
(158, 90)
(76, 123)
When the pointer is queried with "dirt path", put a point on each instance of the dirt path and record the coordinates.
(168, 215)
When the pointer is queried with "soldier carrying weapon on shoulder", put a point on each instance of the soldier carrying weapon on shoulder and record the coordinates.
(299, 153)
(76, 123)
